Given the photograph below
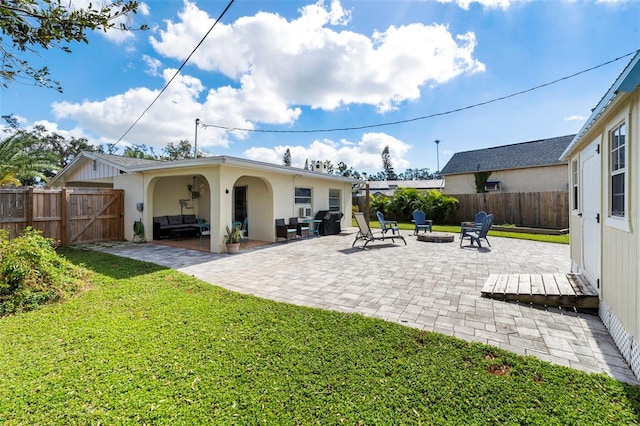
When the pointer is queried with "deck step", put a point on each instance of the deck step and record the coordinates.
(566, 290)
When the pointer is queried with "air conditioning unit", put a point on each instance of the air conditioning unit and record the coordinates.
(304, 212)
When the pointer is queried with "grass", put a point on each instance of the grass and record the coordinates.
(148, 345)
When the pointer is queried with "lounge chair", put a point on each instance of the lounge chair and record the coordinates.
(475, 235)
(285, 231)
(365, 233)
(420, 221)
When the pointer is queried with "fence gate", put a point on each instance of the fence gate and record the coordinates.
(68, 216)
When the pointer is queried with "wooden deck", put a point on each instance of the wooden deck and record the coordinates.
(566, 290)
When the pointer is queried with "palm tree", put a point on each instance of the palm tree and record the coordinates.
(22, 162)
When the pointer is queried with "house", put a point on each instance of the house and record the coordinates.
(220, 189)
(522, 167)
(605, 200)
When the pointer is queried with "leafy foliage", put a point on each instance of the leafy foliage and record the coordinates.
(24, 160)
(30, 25)
(481, 180)
(387, 165)
(32, 273)
(401, 205)
(286, 158)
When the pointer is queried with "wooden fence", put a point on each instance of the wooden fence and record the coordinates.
(532, 209)
(68, 216)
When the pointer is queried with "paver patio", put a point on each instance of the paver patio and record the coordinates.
(430, 286)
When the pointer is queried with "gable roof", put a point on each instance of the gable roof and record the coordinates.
(627, 82)
(539, 153)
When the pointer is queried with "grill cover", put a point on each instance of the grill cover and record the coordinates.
(330, 224)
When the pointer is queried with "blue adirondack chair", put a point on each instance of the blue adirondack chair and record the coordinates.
(387, 225)
(420, 221)
(475, 235)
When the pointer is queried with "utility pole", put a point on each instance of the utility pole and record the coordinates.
(437, 142)
(195, 141)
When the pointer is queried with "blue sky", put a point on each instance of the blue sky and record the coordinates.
(303, 65)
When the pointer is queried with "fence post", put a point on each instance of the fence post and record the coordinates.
(64, 214)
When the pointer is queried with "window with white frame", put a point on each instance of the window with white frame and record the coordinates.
(617, 171)
(574, 184)
(303, 196)
(334, 200)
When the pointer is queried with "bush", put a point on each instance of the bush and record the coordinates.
(401, 205)
(32, 273)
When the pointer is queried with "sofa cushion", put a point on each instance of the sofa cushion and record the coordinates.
(189, 219)
(162, 220)
(175, 219)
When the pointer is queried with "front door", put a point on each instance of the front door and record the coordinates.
(591, 202)
(239, 203)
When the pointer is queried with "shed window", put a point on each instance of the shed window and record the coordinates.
(574, 184)
(617, 170)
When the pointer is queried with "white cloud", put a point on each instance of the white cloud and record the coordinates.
(273, 67)
(303, 62)
(575, 118)
(487, 4)
(364, 155)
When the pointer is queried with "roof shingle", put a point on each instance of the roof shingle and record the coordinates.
(543, 152)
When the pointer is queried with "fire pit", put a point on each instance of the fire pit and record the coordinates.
(437, 237)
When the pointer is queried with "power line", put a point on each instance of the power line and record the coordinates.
(176, 73)
(424, 117)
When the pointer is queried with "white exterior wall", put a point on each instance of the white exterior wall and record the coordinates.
(270, 195)
(620, 239)
(535, 179)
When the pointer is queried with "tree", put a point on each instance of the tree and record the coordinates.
(65, 150)
(286, 158)
(180, 151)
(30, 25)
(140, 151)
(386, 164)
(306, 164)
(23, 162)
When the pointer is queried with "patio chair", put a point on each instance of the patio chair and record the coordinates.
(285, 231)
(204, 230)
(388, 225)
(420, 221)
(476, 235)
(365, 233)
(302, 229)
(245, 234)
(475, 225)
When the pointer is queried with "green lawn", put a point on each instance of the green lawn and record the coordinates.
(148, 345)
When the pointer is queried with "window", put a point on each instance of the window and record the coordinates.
(617, 170)
(334, 200)
(574, 183)
(303, 196)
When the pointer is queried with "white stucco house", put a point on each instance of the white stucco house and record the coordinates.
(604, 171)
(219, 189)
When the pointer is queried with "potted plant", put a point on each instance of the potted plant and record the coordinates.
(232, 239)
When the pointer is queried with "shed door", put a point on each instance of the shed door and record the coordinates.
(591, 201)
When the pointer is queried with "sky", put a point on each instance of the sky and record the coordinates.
(328, 79)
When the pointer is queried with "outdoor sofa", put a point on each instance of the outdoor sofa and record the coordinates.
(174, 226)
